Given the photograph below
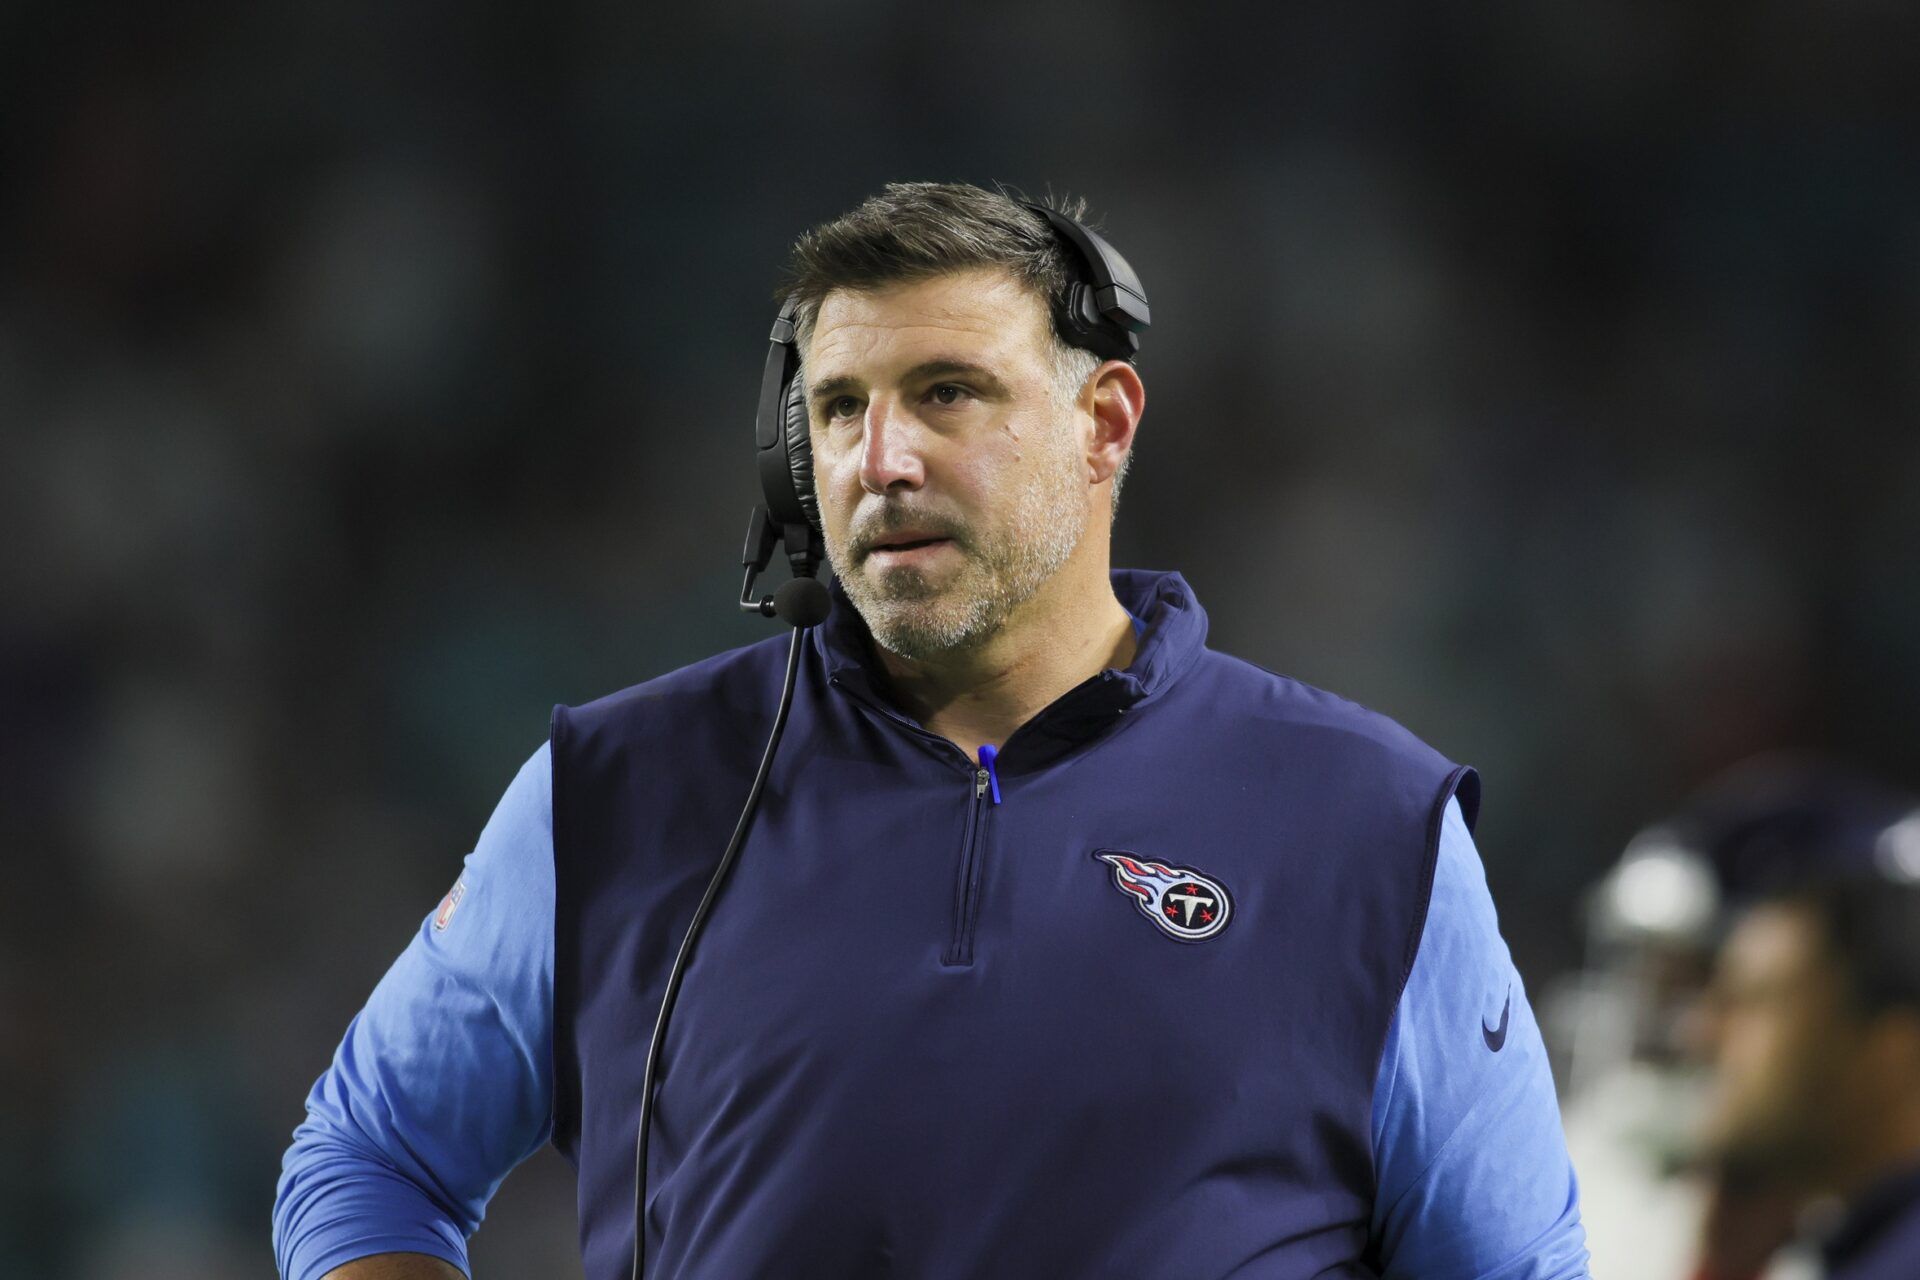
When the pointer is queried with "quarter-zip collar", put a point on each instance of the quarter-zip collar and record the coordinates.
(1873, 1221)
(1174, 634)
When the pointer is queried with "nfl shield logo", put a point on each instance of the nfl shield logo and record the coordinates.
(450, 903)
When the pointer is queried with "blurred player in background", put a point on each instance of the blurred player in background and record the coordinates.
(1814, 1035)
(1740, 1076)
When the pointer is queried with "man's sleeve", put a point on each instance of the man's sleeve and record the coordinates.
(1472, 1176)
(444, 1081)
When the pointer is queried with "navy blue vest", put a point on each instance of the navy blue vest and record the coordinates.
(926, 1034)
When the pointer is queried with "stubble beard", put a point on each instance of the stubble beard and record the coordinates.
(909, 615)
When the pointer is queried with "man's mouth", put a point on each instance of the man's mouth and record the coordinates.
(906, 548)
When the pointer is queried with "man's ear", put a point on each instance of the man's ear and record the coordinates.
(1117, 399)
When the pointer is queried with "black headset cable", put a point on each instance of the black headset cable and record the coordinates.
(686, 948)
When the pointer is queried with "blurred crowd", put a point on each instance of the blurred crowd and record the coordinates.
(373, 377)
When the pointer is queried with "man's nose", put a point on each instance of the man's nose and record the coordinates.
(890, 454)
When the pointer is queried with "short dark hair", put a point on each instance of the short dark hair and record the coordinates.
(915, 230)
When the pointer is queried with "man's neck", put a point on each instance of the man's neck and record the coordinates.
(1066, 633)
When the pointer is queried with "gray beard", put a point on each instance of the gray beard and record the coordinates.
(907, 616)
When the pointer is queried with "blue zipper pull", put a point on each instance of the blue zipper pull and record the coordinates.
(987, 754)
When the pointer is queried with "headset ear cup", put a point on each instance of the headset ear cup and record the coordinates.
(1079, 322)
(800, 451)
(1085, 321)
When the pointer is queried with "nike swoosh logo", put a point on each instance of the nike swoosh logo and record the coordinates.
(1496, 1037)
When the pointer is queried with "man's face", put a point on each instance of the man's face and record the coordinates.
(1782, 1041)
(951, 483)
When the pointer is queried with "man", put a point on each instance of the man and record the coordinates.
(1062, 945)
(1814, 1035)
(1654, 1204)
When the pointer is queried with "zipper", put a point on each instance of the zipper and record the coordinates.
(986, 794)
(960, 945)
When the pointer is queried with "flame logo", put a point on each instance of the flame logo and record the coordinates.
(1184, 903)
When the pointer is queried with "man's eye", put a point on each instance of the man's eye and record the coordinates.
(842, 407)
(948, 394)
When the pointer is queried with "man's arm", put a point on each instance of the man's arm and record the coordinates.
(1471, 1169)
(444, 1081)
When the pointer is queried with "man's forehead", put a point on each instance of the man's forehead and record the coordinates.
(984, 311)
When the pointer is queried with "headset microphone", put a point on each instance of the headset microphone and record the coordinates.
(1104, 310)
(803, 602)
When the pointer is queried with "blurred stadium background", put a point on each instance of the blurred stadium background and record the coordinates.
(374, 376)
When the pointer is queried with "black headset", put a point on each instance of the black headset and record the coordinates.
(1104, 311)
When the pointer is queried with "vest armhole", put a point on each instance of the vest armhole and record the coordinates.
(565, 1115)
(1462, 784)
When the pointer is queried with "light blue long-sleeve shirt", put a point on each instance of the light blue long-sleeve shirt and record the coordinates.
(443, 1083)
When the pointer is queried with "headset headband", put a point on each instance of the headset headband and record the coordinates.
(1106, 311)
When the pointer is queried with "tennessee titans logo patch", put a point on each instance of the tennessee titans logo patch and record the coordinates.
(1185, 904)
